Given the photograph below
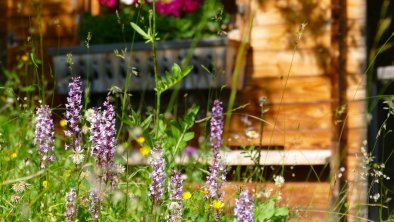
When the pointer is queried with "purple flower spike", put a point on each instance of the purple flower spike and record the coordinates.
(217, 172)
(158, 175)
(216, 139)
(73, 117)
(94, 204)
(216, 177)
(175, 205)
(71, 206)
(44, 135)
(102, 136)
(243, 211)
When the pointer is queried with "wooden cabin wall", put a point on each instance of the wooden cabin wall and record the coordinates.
(356, 105)
(296, 78)
(59, 23)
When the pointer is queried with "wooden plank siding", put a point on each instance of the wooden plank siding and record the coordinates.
(302, 106)
(58, 25)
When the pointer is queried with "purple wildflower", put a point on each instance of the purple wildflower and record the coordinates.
(44, 135)
(243, 211)
(103, 140)
(71, 205)
(73, 117)
(216, 139)
(216, 177)
(94, 204)
(175, 204)
(95, 133)
(189, 151)
(217, 174)
(158, 175)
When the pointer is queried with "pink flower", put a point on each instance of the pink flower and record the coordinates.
(172, 7)
(191, 5)
(108, 3)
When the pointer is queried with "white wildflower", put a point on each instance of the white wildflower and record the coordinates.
(279, 180)
(78, 155)
(19, 187)
(267, 192)
(375, 197)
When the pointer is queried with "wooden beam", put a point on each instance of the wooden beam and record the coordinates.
(338, 93)
(240, 158)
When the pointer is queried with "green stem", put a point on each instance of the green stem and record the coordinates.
(155, 67)
(238, 63)
(128, 79)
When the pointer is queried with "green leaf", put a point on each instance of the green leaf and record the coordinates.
(140, 31)
(146, 123)
(188, 136)
(176, 69)
(29, 88)
(282, 212)
(34, 59)
(265, 211)
(171, 79)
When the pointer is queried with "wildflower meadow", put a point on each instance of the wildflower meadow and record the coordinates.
(83, 156)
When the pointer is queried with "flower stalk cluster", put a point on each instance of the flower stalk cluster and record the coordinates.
(102, 136)
(175, 204)
(71, 205)
(158, 175)
(243, 211)
(94, 204)
(44, 135)
(217, 174)
(73, 118)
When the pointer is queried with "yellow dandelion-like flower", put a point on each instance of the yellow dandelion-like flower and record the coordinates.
(141, 140)
(217, 204)
(187, 195)
(45, 184)
(25, 58)
(62, 123)
(203, 191)
(14, 155)
(144, 151)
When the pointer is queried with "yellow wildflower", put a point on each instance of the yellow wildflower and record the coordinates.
(14, 155)
(62, 123)
(45, 184)
(203, 191)
(144, 151)
(187, 195)
(217, 204)
(141, 140)
(25, 58)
